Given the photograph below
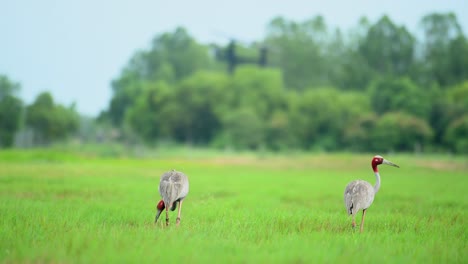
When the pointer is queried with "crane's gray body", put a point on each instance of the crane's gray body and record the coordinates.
(174, 186)
(358, 195)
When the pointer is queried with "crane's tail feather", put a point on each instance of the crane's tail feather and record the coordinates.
(350, 209)
(174, 206)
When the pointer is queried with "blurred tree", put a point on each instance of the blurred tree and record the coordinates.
(458, 96)
(258, 88)
(10, 111)
(448, 105)
(49, 121)
(444, 44)
(278, 133)
(355, 71)
(180, 51)
(251, 89)
(357, 136)
(150, 116)
(399, 131)
(167, 91)
(201, 100)
(126, 89)
(441, 113)
(172, 57)
(400, 94)
(457, 135)
(242, 129)
(336, 53)
(189, 112)
(388, 49)
(458, 60)
(299, 49)
(456, 117)
(319, 117)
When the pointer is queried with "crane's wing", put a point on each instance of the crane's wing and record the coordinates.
(173, 186)
(357, 196)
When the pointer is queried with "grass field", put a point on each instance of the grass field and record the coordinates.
(65, 208)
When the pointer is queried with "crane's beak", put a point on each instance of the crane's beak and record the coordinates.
(390, 163)
(157, 216)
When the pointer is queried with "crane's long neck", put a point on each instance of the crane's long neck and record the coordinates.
(377, 179)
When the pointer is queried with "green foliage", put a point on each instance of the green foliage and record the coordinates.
(457, 134)
(50, 121)
(458, 60)
(172, 57)
(458, 96)
(400, 94)
(190, 112)
(260, 89)
(242, 129)
(316, 114)
(445, 49)
(298, 50)
(320, 116)
(205, 98)
(278, 132)
(200, 103)
(355, 78)
(387, 48)
(10, 115)
(147, 116)
(8, 87)
(10, 111)
(305, 86)
(179, 51)
(126, 89)
(451, 106)
(358, 134)
(401, 131)
(355, 72)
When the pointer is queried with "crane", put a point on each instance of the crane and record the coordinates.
(173, 188)
(360, 194)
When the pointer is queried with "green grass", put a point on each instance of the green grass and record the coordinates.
(64, 208)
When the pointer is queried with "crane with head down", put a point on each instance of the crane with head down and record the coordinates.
(360, 194)
(173, 188)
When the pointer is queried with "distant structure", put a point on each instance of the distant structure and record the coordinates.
(231, 57)
(173, 188)
(360, 194)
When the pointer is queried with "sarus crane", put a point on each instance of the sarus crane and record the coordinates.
(360, 194)
(173, 188)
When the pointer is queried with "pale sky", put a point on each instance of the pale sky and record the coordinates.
(74, 49)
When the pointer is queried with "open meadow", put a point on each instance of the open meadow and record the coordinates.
(242, 208)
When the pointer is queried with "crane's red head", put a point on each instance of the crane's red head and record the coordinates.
(377, 160)
(160, 207)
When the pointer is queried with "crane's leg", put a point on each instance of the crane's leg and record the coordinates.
(354, 220)
(178, 213)
(362, 220)
(167, 215)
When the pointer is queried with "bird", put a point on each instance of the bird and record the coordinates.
(173, 188)
(360, 194)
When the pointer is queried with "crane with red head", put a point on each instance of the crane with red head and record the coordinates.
(173, 188)
(360, 194)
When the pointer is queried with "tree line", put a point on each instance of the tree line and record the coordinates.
(39, 123)
(377, 87)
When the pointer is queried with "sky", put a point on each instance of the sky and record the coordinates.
(75, 48)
